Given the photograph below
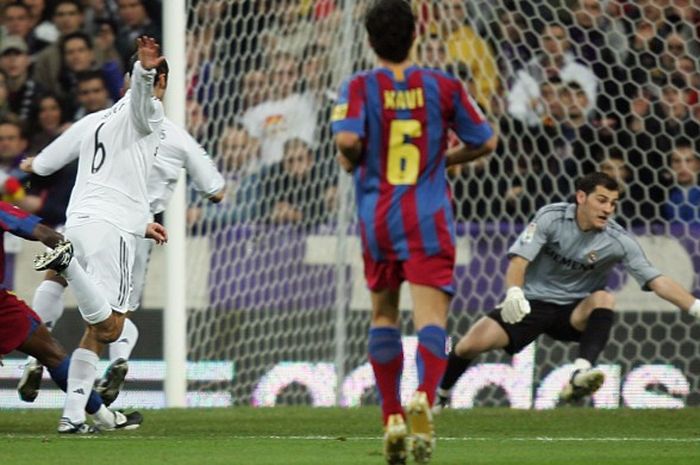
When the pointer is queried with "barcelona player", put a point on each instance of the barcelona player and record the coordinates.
(391, 128)
(21, 329)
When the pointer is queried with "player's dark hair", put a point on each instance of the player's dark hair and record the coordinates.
(162, 68)
(391, 26)
(589, 182)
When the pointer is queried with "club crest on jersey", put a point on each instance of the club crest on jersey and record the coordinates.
(592, 256)
(529, 233)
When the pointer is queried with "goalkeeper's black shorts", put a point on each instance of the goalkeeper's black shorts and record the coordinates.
(544, 318)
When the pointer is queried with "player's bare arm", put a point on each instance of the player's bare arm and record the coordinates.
(149, 52)
(350, 148)
(466, 153)
(46, 235)
(671, 291)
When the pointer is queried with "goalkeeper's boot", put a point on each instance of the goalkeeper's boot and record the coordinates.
(420, 420)
(30, 382)
(442, 401)
(395, 440)
(65, 426)
(112, 382)
(583, 383)
(122, 421)
(57, 259)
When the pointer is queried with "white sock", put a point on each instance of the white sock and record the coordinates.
(582, 364)
(81, 377)
(105, 417)
(444, 392)
(48, 302)
(122, 347)
(91, 302)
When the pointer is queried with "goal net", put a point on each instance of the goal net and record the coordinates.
(276, 283)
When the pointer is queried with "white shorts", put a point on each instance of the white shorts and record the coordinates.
(142, 255)
(106, 253)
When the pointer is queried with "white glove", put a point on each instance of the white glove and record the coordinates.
(515, 307)
(695, 309)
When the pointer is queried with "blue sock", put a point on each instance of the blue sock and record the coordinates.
(60, 376)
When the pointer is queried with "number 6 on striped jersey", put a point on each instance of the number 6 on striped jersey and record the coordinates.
(403, 160)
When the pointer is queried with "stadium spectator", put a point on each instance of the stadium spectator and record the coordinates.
(16, 21)
(68, 17)
(513, 42)
(287, 31)
(683, 204)
(49, 119)
(431, 52)
(556, 62)
(136, 21)
(238, 160)
(4, 94)
(465, 45)
(92, 93)
(44, 29)
(293, 191)
(14, 63)
(13, 145)
(286, 115)
(79, 56)
(105, 40)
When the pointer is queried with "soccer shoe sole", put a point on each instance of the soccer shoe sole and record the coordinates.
(421, 424)
(395, 441)
(591, 382)
(29, 384)
(113, 381)
(57, 259)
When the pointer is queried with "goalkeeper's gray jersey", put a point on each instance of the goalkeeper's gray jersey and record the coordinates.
(567, 264)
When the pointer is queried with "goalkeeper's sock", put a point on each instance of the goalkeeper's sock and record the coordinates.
(122, 347)
(456, 366)
(386, 358)
(431, 359)
(596, 334)
(48, 302)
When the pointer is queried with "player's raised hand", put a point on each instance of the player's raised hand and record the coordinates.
(26, 164)
(515, 307)
(149, 52)
(157, 232)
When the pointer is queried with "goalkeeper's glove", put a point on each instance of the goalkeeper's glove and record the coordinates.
(515, 307)
(695, 309)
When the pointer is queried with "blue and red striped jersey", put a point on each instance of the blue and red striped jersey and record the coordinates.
(17, 222)
(403, 199)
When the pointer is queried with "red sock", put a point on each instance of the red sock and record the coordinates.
(388, 376)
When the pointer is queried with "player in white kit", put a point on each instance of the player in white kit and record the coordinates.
(108, 212)
(178, 149)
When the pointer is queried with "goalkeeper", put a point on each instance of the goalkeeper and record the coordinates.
(556, 281)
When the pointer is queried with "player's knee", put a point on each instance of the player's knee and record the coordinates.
(107, 332)
(469, 347)
(603, 299)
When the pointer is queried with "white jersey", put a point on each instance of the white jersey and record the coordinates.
(178, 149)
(117, 149)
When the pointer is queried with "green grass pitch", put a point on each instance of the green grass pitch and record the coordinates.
(307, 436)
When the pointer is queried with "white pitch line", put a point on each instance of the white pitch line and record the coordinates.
(118, 436)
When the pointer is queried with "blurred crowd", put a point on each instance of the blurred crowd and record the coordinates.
(571, 85)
